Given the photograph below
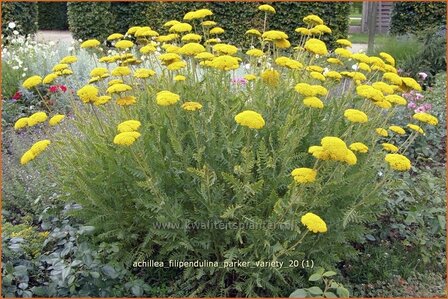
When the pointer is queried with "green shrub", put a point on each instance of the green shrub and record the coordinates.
(410, 17)
(23, 14)
(431, 56)
(90, 19)
(53, 16)
(127, 14)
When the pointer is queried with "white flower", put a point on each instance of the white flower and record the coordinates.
(51, 43)
(15, 32)
(16, 67)
(23, 75)
(355, 67)
(12, 25)
(247, 66)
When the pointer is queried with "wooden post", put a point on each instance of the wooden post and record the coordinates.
(371, 25)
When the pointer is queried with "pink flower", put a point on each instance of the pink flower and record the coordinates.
(239, 81)
(412, 105)
(419, 96)
(423, 75)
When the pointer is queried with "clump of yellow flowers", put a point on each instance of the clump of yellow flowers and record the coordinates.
(181, 84)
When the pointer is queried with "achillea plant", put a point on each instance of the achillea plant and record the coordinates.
(278, 156)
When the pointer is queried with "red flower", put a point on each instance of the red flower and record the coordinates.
(17, 96)
(55, 88)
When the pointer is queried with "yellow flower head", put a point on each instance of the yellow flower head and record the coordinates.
(126, 138)
(344, 42)
(270, 77)
(48, 79)
(389, 147)
(225, 49)
(355, 116)
(205, 56)
(60, 67)
(180, 78)
(381, 132)
(127, 101)
(91, 43)
(88, 93)
(288, 62)
(166, 98)
(32, 81)
(208, 23)
(191, 49)
(253, 32)
(411, 83)
(313, 20)
(115, 36)
(191, 106)
(323, 28)
(143, 73)
(180, 28)
(416, 128)
(314, 223)
(383, 87)
(191, 37)
(101, 100)
(69, 59)
(398, 162)
(225, 63)
(395, 99)
(250, 77)
(388, 58)
(266, 8)
(21, 123)
(274, 35)
(359, 147)
(56, 119)
(317, 76)
(129, 126)
(27, 157)
(147, 49)
(316, 46)
(37, 118)
(426, 118)
(216, 30)
(121, 71)
(343, 52)
(303, 31)
(308, 90)
(170, 23)
(392, 78)
(397, 129)
(304, 175)
(255, 52)
(250, 119)
(313, 102)
(333, 75)
(169, 58)
(176, 65)
(124, 44)
(40, 146)
(98, 72)
(118, 87)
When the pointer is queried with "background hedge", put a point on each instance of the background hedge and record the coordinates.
(410, 17)
(97, 20)
(24, 14)
(52, 16)
(90, 19)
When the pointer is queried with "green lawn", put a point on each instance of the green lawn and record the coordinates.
(362, 38)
